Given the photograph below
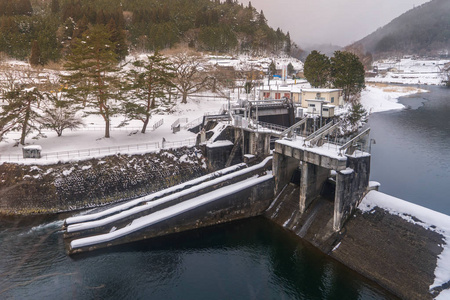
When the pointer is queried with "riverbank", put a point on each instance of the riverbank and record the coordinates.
(380, 97)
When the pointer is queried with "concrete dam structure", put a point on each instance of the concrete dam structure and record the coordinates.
(230, 194)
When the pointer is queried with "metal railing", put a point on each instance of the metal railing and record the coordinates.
(193, 123)
(273, 127)
(178, 122)
(179, 144)
(158, 124)
(91, 152)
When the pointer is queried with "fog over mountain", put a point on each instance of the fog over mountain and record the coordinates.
(339, 22)
(424, 30)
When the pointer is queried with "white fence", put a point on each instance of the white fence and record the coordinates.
(98, 152)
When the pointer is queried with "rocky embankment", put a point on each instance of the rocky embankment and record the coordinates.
(42, 189)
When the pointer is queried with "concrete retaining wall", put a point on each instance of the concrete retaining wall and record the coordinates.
(350, 188)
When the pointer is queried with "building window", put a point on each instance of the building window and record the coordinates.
(266, 95)
(332, 99)
(318, 95)
(312, 105)
(287, 95)
(277, 95)
(325, 109)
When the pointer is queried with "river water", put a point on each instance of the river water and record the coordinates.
(411, 157)
(250, 259)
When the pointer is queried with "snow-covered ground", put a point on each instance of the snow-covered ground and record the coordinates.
(382, 97)
(92, 135)
(409, 71)
(376, 97)
(429, 219)
(245, 62)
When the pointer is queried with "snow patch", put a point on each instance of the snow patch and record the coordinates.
(68, 172)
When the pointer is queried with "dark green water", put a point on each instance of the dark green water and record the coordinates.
(251, 259)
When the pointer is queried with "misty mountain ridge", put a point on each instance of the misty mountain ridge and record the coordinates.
(327, 49)
(423, 30)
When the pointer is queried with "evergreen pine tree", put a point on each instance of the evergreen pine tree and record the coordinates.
(55, 8)
(347, 73)
(262, 19)
(272, 69)
(100, 19)
(118, 38)
(287, 47)
(94, 64)
(317, 69)
(21, 112)
(35, 57)
(23, 7)
(148, 81)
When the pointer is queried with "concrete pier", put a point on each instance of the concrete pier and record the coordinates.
(316, 166)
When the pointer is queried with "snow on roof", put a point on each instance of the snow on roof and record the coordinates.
(317, 100)
(33, 147)
(326, 149)
(320, 90)
(170, 212)
(282, 88)
(419, 215)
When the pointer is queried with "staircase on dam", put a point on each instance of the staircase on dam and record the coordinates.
(232, 193)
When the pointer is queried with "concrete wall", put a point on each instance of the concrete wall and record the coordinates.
(312, 179)
(283, 169)
(338, 100)
(351, 185)
(246, 203)
(27, 190)
(216, 157)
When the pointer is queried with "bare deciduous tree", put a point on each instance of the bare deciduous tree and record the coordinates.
(191, 74)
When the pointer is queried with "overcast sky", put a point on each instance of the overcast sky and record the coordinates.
(338, 22)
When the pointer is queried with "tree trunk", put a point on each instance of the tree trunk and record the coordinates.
(153, 105)
(144, 127)
(184, 100)
(107, 128)
(25, 124)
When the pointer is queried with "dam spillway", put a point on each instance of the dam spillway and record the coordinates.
(231, 194)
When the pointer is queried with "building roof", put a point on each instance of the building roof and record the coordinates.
(320, 90)
(317, 100)
(32, 147)
(280, 88)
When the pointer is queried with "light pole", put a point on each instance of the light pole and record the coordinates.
(372, 141)
(321, 111)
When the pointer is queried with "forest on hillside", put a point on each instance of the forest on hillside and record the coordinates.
(49, 27)
(424, 30)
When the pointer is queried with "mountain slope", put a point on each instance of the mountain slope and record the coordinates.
(424, 30)
(142, 25)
